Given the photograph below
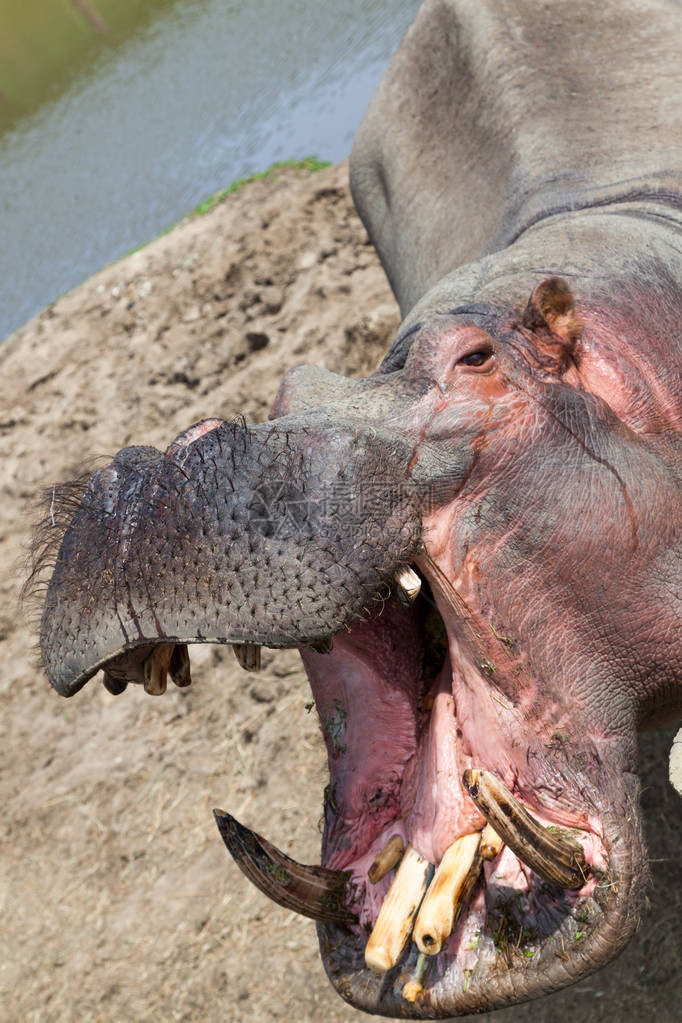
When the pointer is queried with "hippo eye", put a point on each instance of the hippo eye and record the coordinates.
(477, 359)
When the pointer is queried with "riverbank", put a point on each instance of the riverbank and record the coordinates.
(118, 899)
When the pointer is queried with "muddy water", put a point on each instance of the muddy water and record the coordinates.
(118, 116)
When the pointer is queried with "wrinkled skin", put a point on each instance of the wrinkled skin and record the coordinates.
(519, 447)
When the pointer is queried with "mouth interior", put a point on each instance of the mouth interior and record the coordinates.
(403, 717)
(412, 715)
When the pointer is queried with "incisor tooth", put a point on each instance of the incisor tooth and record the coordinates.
(436, 917)
(394, 923)
(491, 843)
(179, 666)
(408, 585)
(248, 655)
(156, 667)
(388, 858)
(115, 686)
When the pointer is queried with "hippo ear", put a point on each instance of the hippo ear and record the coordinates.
(551, 316)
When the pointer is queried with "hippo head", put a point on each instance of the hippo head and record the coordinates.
(470, 549)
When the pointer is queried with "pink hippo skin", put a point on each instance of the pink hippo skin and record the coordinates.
(519, 171)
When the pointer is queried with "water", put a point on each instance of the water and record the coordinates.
(207, 92)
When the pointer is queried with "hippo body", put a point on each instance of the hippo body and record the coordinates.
(517, 454)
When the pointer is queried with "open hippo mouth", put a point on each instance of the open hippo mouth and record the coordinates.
(454, 876)
(481, 846)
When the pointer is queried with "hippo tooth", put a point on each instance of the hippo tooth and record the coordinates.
(179, 666)
(156, 667)
(491, 843)
(398, 910)
(312, 891)
(115, 686)
(436, 918)
(408, 584)
(675, 763)
(389, 857)
(325, 646)
(248, 655)
(556, 859)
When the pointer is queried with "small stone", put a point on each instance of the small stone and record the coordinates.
(256, 340)
(261, 692)
(249, 298)
(307, 261)
(272, 298)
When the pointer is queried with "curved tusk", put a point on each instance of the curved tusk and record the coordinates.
(309, 890)
(554, 858)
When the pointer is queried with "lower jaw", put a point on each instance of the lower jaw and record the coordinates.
(500, 953)
(497, 954)
(517, 937)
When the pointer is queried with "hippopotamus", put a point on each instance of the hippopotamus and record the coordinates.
(476, 548)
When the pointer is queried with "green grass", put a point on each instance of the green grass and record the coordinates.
(309, 163)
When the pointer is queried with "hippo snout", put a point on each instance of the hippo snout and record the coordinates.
(234, 535)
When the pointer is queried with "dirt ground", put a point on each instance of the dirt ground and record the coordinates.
(118, 900)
